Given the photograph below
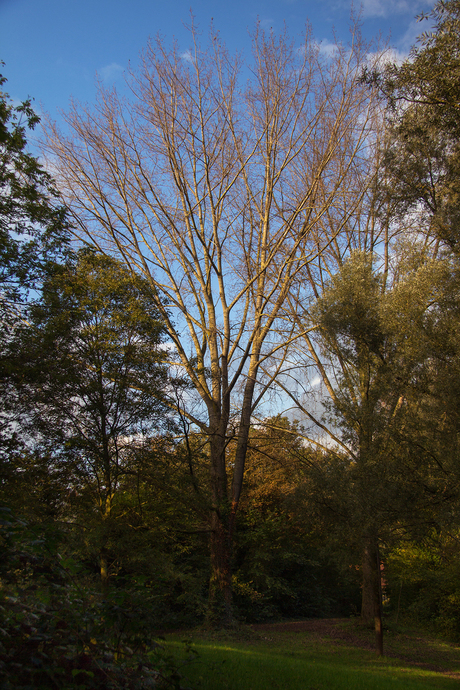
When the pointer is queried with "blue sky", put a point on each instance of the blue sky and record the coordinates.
(53, 48)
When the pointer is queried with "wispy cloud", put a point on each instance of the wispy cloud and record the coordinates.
(111, 73)
(387, 8)
(267, 24)
(414, 30)
(384, 8)
(188, 57)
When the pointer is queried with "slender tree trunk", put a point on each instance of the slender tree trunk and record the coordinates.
(104, 571)
(105, 506)
(371, 609)
(242, 444)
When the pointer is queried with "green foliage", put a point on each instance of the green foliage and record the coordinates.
(91, 388)
(348, 312)
(34, 236)
(281, 566)
(389, 349)
(424, 580)
(89, 375)
(33, 226)
(355, 339)
(423, 156)
(151, 542)
(89, 384)
(58, 631)
(385, 352)
(93, 356)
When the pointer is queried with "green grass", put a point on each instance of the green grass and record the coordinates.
(300, 662)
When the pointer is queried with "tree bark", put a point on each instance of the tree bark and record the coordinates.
(371, 608)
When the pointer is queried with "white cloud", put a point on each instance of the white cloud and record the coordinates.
(327, 48)
(384, 8)
(188, 57)
(167, 347)
(315, 382)
(390, 55)
(111, 72)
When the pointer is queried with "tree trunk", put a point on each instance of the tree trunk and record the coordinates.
(371, 609)
(242, 444)
(105, 506)
(220, 610)
(104, 568)
(223, 518)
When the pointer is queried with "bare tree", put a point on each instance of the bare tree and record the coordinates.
(215, 190)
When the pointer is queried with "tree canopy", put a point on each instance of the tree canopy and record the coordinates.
(33, 227)
(423, 94)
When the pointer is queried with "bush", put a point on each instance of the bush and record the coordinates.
(56, 631)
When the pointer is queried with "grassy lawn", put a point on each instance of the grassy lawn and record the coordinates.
(302, 661)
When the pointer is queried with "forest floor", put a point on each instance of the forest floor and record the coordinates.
(415, 648)
(331, 654)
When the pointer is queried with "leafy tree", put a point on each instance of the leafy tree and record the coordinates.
(93, 384)
(423, 157)
(421, 178)
(349, 326)
(373, 348)
(33, 226)
(34, 234)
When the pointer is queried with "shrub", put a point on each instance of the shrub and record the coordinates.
(57, 631)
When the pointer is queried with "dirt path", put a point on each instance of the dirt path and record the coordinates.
(331, 628)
